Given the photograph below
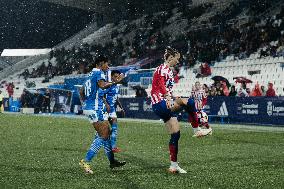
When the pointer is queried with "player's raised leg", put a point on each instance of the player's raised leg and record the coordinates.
(188, 105)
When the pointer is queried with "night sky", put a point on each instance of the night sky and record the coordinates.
(36, 24)
(40, 24)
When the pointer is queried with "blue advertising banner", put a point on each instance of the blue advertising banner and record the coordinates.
(259, 110)
(253, 110)
(138, 108)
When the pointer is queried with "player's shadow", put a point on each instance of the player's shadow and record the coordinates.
(146, 164)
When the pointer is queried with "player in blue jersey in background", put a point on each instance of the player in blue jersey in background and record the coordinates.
(108, 99)
(112, 101)
(90, 97)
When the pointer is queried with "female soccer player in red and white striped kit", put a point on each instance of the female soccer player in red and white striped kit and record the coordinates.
(164, 106)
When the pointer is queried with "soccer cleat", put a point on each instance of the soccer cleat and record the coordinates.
(180, 170)
(116, 150)
(86, 166)
(117, 164)
(202, 133)
(176, 169)
(211, 131)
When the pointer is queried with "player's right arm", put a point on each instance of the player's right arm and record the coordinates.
(166, 93)
(103, 84)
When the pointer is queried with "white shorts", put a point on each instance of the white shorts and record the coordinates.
(112, 115)
(106, 116)
(94, 116)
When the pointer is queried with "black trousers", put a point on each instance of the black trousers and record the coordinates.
(46, 106)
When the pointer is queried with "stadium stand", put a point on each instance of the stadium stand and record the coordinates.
(236, 47)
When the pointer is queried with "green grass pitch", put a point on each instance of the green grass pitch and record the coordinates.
(44, 152)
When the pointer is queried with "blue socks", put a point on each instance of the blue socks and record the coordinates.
(95, 147)
(113, 135)
(108, 150)
(98, 142)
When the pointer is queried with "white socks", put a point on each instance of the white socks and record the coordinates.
(174, 164)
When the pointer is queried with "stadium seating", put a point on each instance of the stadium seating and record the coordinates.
(271, 70)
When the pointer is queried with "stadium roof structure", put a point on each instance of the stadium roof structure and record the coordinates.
(24, 52)
(82, 4)
(102, 6)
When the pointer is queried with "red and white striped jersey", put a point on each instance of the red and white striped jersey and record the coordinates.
(163, 80)
(200, 98)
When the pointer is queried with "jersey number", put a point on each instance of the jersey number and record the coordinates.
(88, 87)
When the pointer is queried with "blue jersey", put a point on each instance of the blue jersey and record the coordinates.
(102, 92)
(91, 89)
(101, 95)
(111, 97)
(110, 94)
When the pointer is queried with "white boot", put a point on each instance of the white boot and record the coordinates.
(198, 132)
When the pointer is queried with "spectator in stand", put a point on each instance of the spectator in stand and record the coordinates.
(205, 70)
(10, 89)
(219, 89)
(225, 88)
(263, 91)
(67, 103)
(270, 92)
(242, 53)
(46, 102)
(28, 99)
(256, 91)
(206, 89)
(242, 92)
(213, 91)
(38, 102)
(233, 91)
(1, 101)
(82, 68)
(248, 91)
